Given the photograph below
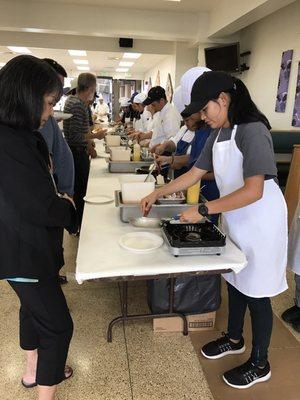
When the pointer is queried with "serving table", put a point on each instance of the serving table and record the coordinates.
(101, 257)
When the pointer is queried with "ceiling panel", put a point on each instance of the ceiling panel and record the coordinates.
(100, 62)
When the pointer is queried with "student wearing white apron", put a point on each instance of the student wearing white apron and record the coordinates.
(292, 314)
(240, 152)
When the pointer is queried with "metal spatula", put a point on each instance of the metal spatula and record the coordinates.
(151, 169)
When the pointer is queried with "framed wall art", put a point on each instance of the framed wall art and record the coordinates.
(283, 81)
(296, 112)
(169, 88)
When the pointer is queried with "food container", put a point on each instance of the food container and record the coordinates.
(131, 211)
(127, 166)
(120, 154)
(133, 188)
(112, 140)
(175, 198)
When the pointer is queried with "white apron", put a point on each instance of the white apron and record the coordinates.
(294, 243)
(259, 229)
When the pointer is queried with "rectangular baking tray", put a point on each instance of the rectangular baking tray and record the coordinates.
(130, 211)
(127, 166)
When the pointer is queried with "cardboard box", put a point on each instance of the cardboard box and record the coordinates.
(196, 323)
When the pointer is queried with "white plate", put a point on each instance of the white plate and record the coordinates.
(62, 115)
(98, 199)
(141, 242)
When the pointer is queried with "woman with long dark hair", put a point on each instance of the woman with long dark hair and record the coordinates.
(32, 214)
(240, 152)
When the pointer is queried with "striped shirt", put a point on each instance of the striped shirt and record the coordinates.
(76, 127)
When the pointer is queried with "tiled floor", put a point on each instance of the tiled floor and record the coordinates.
(137, 365)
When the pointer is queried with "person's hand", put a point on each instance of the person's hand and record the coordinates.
(100, 133)
(70, 199)
(158, 149)
(163, 160)
(133, 134)
(147, 202)
(191, 216)
(92, 152)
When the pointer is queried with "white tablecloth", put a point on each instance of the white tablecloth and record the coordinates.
(100, 255)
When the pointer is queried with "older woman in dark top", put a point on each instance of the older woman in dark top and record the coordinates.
(32, 214)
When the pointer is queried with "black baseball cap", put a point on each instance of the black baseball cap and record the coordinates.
(155, 94)
(208, 87)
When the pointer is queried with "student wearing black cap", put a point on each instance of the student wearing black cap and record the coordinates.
(240, 152)
(166, 122)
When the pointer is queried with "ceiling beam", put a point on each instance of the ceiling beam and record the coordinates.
(54, 41)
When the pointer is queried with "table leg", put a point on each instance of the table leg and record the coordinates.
(125, 317)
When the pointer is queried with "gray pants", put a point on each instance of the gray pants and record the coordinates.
(297, 290)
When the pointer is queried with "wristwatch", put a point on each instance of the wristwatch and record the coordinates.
(203, 210)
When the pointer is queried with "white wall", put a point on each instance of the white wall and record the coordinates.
(165, 67)
(266, 40)
(186, 58)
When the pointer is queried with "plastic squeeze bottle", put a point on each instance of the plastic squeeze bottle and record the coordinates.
(136, 152)
(193, 193)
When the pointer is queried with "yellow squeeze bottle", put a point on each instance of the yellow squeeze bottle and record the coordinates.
(193, 193)
(136, 152)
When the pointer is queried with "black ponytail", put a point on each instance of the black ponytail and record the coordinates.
(242, 109)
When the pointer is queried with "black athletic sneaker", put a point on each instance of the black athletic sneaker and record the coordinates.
(247, 375)
(291, 314)
(222, 347)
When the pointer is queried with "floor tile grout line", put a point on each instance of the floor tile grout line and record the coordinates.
(126, 347)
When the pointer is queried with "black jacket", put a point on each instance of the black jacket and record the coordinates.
(31, 214)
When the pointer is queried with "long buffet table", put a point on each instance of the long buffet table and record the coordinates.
(101, 257)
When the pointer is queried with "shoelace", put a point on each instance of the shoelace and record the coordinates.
(223, 343)
(250, 376)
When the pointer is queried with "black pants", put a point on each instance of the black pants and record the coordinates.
(82, 168)
(261, 320)
(45, 325)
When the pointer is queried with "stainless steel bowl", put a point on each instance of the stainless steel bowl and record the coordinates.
(145, 222)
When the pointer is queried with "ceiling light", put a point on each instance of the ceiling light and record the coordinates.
(132, 55)
(122, 69)
(16, 49)
(82, 62)
(126, 64)
(2, 64)
(77, 53)
(83, 68)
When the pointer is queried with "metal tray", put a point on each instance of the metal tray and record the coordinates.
(131, 211)
(172, 200)
(127, 166)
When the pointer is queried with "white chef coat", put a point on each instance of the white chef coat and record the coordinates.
(142, 123)
(259, 229)
(185, 135)
(165, 125)
(101, 111)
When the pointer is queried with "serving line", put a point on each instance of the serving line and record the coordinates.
(101, 257)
